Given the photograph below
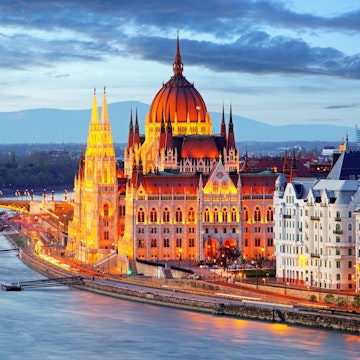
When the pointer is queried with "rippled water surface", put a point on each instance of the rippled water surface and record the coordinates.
(63, 323)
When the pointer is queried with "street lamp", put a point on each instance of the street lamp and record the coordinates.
(17, 194)
(180, 251)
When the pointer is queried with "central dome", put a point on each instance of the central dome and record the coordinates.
(179, 102)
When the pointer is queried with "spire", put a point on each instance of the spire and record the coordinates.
(94, 113)
(231, 137)
(286, 169)
(177, 65)
(223, 125)
(104, 112)
(294, 171)
(136, 132)
(131, 132)
(162, 134)
(169, 138)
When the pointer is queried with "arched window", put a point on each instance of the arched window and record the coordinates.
(166, 215)
(270, 214)
(215, 187)
(141, 215)
(257, 214)
(191, 215)
(106, 210)
(224, 215)
(178, 215)
(349, 227)
(349, 277)
(233, 214)
(338, 277)
(206, 215)
(246, 214)
(216, 215)
(153, 215)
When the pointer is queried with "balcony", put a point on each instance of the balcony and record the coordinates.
(287, 216)
(314, 217)
(337, 218)
(337, 231)
(313, 255)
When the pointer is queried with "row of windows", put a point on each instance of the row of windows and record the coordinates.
(179, 230)
(166, 243)
(214, 216)
(257, 214)
(257, 242)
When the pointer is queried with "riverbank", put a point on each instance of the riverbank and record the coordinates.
(221, 300)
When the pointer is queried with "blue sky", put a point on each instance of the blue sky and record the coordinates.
(278, 62)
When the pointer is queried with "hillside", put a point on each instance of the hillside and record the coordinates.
(71, 126)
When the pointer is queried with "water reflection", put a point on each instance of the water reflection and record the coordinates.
(64, 323)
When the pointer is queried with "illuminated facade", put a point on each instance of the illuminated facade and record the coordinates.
(180, 195)
(315, 232)
(93, 232)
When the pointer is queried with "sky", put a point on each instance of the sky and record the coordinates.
(279, 62)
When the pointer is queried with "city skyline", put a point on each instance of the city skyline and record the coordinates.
(278, 62)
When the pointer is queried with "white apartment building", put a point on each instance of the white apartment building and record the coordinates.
(315, 230)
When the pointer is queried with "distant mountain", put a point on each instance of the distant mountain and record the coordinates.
(71, 126)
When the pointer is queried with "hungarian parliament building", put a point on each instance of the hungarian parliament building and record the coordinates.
(184, 193)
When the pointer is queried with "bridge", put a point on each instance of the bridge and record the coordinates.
(4, 250)
(63, 281)
(15, 205)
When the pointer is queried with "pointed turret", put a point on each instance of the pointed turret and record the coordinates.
(177, 65)
(286, 167)
(169, 137)
(136, 132)
(231, 137)
(104, 110)
(94, 112)
(162, 135)
(294, 170)
(223, 125)
(131, 132)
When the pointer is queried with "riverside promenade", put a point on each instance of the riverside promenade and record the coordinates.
(211, 297)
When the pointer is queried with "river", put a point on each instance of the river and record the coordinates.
(65, 323)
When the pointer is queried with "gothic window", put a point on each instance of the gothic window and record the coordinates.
(206, 215)
(166, 215)
(224, 215)
(153, 215)
(153, 243)
(178, 242)
(141, 215)
(270, 214)
(216, 215)
(166, 243)
(233, 214)
(106, 235)
(178, 215)
(191, 215)
(106, 210)
(191, 243)
(215, 187)
(224, 186)
(246, 214)
(257, 214)
(141, 243)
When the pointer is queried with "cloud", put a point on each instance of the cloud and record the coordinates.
(337, 107)
(45, 33)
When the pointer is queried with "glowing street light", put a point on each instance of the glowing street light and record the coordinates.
(180, 251)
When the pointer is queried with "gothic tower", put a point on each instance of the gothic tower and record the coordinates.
(91, 233)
